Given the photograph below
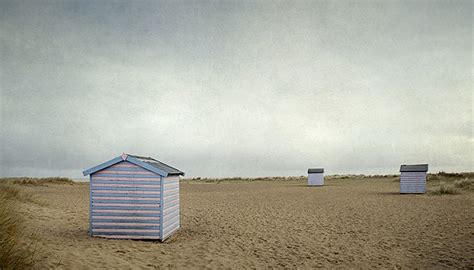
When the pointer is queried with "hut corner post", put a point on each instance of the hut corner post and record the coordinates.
(162, 192)
(90, 205)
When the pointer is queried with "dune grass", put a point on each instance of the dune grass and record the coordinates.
(451, 183)
(449, 177)
(444, 189)
(466, 184)
(288, 178)
(465, 178)
(14, 254)
(27, 181)
(249, 179)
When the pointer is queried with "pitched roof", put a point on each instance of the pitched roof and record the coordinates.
(414, 168)
(316, 170)
(148, 163)
(158, 164)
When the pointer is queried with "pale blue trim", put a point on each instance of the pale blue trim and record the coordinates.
(102, 166)
(90, 205)
(129, 159)
(162, 186)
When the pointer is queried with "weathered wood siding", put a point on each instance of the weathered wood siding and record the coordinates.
(412, 182)
(315, 179)
(125, 202)
(171, 211)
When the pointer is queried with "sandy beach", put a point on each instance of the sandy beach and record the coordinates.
(348, 223)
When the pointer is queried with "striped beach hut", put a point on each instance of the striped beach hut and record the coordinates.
(316, 177)
(134, 197)
(413, 178)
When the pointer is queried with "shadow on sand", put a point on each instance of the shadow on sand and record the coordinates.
(393, 193)
(306, 186)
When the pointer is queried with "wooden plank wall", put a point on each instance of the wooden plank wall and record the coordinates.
(315, 179)
(171, 211)
(125, 202)
(412, 182)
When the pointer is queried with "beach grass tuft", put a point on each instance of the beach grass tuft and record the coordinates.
(27, 181)
(444, 189)
(14, 253)
(466, 184)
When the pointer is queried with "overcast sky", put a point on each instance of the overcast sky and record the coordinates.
(236, 88)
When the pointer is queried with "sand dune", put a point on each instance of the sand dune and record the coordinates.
(283, 224)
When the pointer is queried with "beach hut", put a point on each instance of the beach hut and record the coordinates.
(413, 178)
(134, 197)
(316, 177)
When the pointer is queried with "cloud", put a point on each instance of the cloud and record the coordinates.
(229, 89)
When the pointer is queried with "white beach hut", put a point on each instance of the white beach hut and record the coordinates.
(413, 178)
(134, 197)
(316, 177)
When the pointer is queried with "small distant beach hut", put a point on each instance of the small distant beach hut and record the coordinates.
(134, 197)
(413, 178)
(316, 177)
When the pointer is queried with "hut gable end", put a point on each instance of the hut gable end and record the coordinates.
(148, 163)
